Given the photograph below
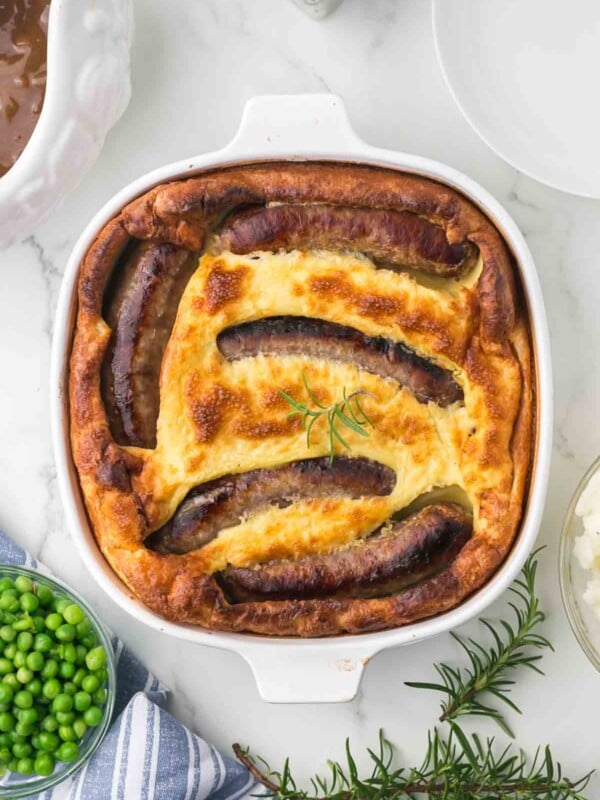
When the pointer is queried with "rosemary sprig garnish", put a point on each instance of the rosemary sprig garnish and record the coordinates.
(459, 766)
(515, 644)
(348, 412)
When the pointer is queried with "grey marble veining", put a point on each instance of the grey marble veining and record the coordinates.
(193, 67)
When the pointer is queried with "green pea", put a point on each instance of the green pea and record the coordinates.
(95, 659)
(9, 602)
(93, 716)
(67, 670)
(28, 716)
(19, 659)
(82, 701)
(11, 680)
(44, 764)
(68, 751)
(81, 654)
(62, 702)
(5, 740)
(60, 603)
(102, 675)
(25, 641)
(35, 661)
(23, 584)
(6, 584)
(35, 741)
(65, 633)
(99, 697)
(15, 737)
(51, 689)
(80, 728)
(50, 723)
(23, 699)
(66, 733)
(53, 621)
(5, 755)
(65, 717)
(6, 693)
(42, 643)
(69, 653)
(73, 614)
(24, 624)
(24, 729)
(90, 683)
(7, 722)
(10, 650)
(89, 641)
(24, 675)
(29, 602)
(39, 623)
(50, 668)
(84, 627)
(7, 633)
(35, 687)
(5, 666)
(49, 741)
(69, 688)
(79, 676)
(26, 766)
(22, 750)
(45, 595)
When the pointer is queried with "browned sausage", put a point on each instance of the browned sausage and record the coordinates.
(396, 556)
(223, 503)
(397, 238)
(140, 307)
(328, 340)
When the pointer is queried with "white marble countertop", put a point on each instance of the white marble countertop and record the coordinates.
(193, 68)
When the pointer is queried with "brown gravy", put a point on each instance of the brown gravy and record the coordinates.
(23, 36)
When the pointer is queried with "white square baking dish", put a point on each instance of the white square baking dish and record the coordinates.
(309, 670)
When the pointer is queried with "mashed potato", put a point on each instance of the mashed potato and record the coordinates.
(587, 546)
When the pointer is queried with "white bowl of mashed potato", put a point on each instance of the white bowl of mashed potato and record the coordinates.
(580, 563)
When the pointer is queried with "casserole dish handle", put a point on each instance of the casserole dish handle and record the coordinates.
(300, 672)
(312, 124)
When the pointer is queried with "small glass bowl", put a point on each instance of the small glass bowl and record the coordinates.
(13, 785)
(574, 579)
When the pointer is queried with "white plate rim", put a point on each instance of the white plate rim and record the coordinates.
(531, 173)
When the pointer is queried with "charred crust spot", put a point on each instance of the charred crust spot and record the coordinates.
(332, 286)
(208, 409)
(223, 286)
(263, 429)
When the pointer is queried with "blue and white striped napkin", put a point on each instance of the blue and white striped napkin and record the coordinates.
(147, 754)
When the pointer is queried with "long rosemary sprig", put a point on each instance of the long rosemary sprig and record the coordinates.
(457, 768)
(348, 412)
(515, 643)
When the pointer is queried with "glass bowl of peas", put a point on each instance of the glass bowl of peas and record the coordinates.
(57, 682)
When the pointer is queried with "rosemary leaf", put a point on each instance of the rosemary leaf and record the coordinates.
(347, 412)
(515, 644)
